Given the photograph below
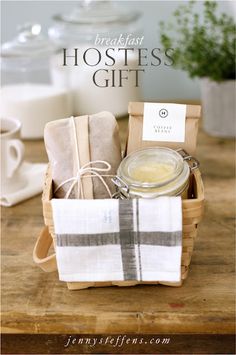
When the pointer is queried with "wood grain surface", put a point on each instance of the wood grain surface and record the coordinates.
(36, 302)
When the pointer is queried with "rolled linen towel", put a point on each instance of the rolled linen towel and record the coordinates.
(79, 149)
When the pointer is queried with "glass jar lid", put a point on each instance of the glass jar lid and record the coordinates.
(29, 42)
(92, 11)
(91, 17)
(151, 167)
(153, 172)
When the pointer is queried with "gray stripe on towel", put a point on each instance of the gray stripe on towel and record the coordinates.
(87, 240)
(127, 239)
(138, 240)
(167, 239)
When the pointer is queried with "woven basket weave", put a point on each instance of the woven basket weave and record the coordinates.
(192, 214)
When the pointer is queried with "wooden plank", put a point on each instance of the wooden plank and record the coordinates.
(118, 344)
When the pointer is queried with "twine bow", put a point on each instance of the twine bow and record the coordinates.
(87, 169)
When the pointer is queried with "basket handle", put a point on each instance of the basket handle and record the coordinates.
(40, 252)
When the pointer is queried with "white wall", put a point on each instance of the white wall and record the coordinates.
(159, 82)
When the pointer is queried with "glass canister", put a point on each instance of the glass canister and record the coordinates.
(154, 172)
(26, 92)
(92, 61)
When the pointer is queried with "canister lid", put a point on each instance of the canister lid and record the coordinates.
(91, 17)
(28, 43)
(102, 12)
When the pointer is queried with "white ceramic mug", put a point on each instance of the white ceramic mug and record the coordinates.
(12, 154)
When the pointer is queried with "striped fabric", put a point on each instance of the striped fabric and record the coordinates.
(117, 240)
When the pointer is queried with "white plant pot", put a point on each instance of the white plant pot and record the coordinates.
(218, 105)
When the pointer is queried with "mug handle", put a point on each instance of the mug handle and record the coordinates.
(16, 151)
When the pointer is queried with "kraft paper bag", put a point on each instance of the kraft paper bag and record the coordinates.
(136, 142)
(77, 143)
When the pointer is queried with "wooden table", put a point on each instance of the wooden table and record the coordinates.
(36, 302)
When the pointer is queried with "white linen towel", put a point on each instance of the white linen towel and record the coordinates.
(31, 178)
(117, 240)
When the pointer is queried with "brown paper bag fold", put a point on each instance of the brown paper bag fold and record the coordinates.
(135, 141)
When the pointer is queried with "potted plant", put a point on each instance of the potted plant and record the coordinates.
(204, 46)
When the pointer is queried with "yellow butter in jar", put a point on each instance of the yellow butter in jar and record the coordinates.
(150, 171)
(153, 172)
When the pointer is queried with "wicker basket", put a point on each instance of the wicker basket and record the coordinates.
(192, 214)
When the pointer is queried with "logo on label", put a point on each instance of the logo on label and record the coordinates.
(163, 113)
(163, 122)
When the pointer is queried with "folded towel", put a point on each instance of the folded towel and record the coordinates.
(29, 181)
(117, 240)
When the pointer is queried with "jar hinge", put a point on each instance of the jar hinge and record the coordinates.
(192, 162)
(123, 188)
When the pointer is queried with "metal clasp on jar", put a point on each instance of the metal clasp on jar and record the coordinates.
(123, 188)
(192, 162)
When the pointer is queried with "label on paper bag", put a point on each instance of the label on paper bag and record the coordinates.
(164, 122)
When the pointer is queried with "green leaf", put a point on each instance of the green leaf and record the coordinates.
(203, 46)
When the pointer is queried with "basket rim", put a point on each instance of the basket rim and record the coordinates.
(48, 189)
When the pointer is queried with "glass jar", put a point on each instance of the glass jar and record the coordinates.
(154, 172)
(26, 92)
(89, 30)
